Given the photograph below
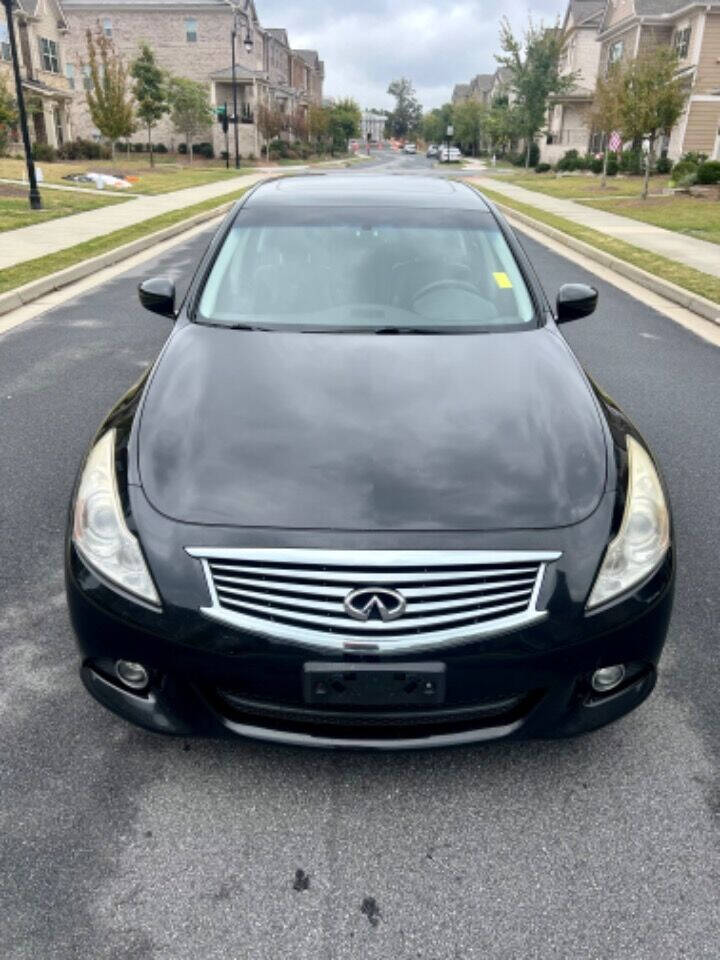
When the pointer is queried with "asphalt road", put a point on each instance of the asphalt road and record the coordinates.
(119, 845)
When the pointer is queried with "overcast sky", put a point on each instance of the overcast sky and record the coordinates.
(367, 43)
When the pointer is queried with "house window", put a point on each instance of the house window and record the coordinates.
(107, 27)
(59, 126)
(191, 30)
(70, 74)
(87, 78)
(4, 42)
(681, 42)
(49, 55)
(615, 53)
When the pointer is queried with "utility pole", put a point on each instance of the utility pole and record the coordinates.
(34, 196)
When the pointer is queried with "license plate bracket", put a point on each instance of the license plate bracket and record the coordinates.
(374, 685)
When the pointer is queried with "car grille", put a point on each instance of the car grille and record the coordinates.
(379, 725)
(300, 595)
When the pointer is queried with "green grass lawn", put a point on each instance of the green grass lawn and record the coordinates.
(165, 177)
(696, 281)
(579, 185)
(30, 270)
(15, 210)
(696, 216)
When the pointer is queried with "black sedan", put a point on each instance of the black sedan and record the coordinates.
(367, 496)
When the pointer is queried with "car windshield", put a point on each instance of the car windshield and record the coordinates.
(382, 270)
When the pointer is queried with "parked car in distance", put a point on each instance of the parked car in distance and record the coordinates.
(450, 155)
(410, 148)
(432, 151)
(367, 496)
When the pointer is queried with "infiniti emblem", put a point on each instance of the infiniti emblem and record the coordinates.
(375, 602)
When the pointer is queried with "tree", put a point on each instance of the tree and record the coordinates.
(190, 109)
(270, 123)
(298, 122)
(345, 122)
(8, 115)
(502, 125)
(469, 124)
(406, 118)
(435, 123)
(652, 99)
(605, 114)
(534, 67)
(319, 125)
(110, 105)
(150, 91)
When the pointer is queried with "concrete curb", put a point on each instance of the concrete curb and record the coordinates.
(55, 281)
(707, 309)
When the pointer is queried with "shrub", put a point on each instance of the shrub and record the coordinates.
(204, 149)
(684, 168)
(44, 152)
(570, 160)
(709, 172)
(631, 161)
(279, 149)
(664, 164)
(139, 148)
(595, 164)
(612, 166)
(159, 148)
(689, 180)
(694, 157)
(80, 149)
(542, 168)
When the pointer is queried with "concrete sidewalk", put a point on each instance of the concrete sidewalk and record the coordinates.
(698, 254)
(43, 239)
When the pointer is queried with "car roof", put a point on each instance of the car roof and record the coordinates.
(367, 190)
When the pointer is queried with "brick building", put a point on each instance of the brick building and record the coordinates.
(40, 31)
(192, 38)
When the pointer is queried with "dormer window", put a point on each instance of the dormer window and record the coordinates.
(681, 42)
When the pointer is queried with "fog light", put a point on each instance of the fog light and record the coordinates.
(607, 678)
(133, 675)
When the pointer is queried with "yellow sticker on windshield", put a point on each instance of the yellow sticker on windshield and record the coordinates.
(503, 281)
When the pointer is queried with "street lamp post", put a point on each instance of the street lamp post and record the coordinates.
(248, 42)
(34, 196)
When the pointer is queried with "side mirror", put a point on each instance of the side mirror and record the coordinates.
(575, 300)
(158, 296)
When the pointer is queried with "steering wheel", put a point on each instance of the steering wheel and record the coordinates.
(448, 284)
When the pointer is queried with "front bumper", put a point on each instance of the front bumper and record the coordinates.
(218, 682)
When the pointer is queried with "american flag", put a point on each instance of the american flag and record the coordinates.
(615, 141)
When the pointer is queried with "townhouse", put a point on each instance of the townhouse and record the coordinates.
(693, 29)
(483, 88)
(600, 33)
(193, 39)
(41, 31)
(569, 125)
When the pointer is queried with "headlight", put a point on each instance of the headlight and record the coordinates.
(99, 529)
(644, 536)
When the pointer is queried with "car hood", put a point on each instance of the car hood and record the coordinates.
(371, 432)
